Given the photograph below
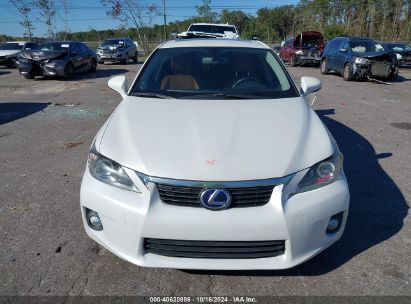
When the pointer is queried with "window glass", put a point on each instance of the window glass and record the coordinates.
(365, 45)
(206, 72)
(12, 46)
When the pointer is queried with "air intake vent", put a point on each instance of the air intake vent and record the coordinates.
(215, 249)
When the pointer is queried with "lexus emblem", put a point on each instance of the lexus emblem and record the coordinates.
(215, 199)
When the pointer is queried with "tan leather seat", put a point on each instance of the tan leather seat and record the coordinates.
(179, 82)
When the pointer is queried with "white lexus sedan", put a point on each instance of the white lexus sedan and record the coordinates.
(214, 160)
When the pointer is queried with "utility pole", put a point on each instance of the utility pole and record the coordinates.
(165, 19)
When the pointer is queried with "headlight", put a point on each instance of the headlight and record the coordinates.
(322, 173)
(300, 52)
(360, 60)
(399, 57)
(109, 172)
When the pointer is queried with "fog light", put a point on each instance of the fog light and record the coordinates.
(335, 223)
(93, 220)
(332, 224)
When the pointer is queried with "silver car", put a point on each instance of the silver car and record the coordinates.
(117, 49)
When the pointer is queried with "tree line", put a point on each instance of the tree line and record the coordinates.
(388, 20)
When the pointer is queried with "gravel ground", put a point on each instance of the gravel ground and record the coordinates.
(46, 128)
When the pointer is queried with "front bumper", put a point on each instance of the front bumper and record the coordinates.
(377, 69)
(110, 56)
(128, 218)
(7, 60)
(41, 69)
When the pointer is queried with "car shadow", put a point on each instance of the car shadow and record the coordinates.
(99, 73)
(4, 72)
(377, 206)
(401, 78)
(11, 111)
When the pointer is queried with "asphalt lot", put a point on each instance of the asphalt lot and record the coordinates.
(46, 128)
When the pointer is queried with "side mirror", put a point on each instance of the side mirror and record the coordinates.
(343, 50)
(118, 84)
(310, 85)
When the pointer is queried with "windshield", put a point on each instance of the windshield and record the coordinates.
(113, 41)
(211, 29)
(215, 73)
(12, 46)
(364, 46)
(399, 47)
(55, 46)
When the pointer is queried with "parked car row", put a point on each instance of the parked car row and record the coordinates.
(355, 58)
(64, 58)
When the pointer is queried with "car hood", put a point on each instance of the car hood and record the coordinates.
(215, 140)
(9, 52)
(41, 55)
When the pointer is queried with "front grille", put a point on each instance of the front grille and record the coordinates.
(190, 196)
(214, 249)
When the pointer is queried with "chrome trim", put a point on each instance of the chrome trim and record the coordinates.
(215, 184)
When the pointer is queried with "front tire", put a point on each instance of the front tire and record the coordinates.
(126, 60)
(323, 67)
(69, 71)
(29, 76)
(347, 72)
(135, 59)
(293, 61)
(93, 66)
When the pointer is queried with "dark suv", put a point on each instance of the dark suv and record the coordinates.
(357, 58)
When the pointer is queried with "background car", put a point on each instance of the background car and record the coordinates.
(117, 49)
(10, 50)
(359, 58)
(57, 58)
(402, 50)
(211, 30)
(304, 48)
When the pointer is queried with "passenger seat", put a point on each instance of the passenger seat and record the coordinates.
(179, 82)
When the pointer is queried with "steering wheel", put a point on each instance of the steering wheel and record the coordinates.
(247, 81)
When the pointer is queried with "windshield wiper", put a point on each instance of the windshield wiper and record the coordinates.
(152, 95)
(225, 96)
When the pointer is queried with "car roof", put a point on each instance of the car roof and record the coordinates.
(63, 41)
(17, 42)
(209, 42)
(354, 38)
(215, 24)
(118, 38)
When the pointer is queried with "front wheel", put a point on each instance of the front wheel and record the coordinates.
(69, 71)
(135, 59)
(393, 77)
(323, 67)
(347, 72)
(293, 61)
(93, 66)
(127, 59)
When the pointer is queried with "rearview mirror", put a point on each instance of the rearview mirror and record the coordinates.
(310, 85)
(118, 84)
